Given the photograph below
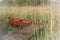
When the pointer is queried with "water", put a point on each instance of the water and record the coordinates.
(2, 32)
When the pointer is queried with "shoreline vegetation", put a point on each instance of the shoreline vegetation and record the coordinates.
(31, 10)
(25, 2)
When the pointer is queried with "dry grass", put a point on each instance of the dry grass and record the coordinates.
(39, 12)
(25, 9)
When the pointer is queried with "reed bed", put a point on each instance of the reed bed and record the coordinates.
(39, 34)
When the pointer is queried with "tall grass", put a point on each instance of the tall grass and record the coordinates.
(26, 2)
(41, 32)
